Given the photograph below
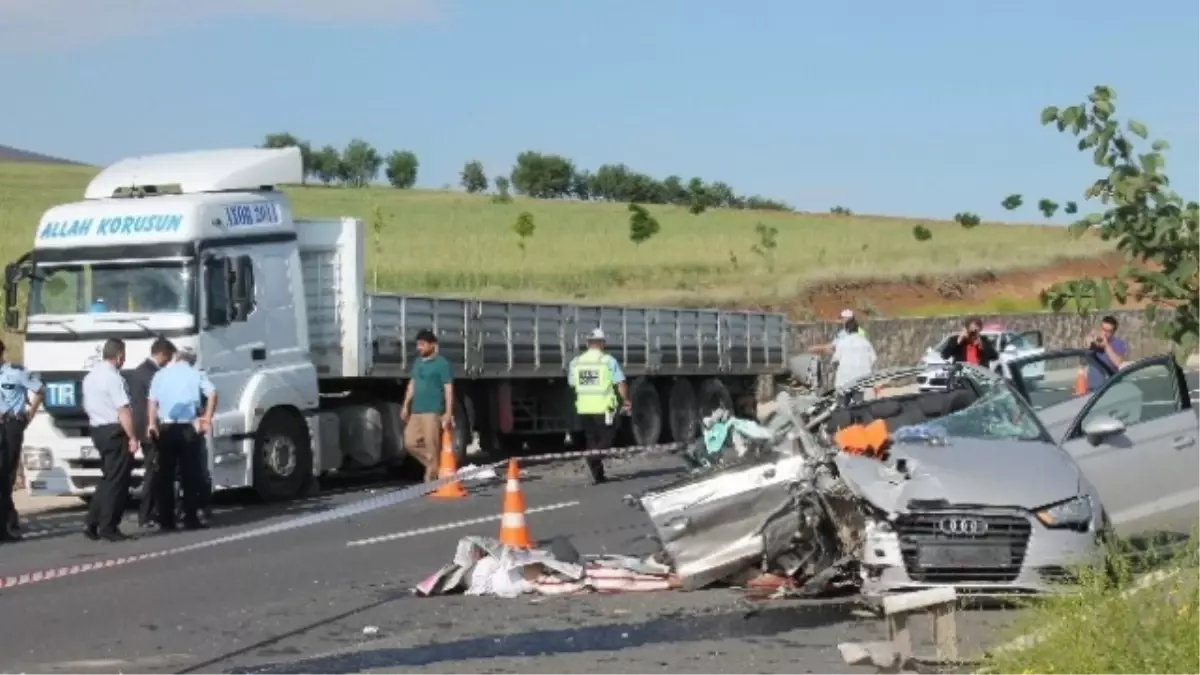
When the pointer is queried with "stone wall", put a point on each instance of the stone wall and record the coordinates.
(900, 342)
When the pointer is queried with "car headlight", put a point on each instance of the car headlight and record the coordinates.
(1074, 513)
(37, 459)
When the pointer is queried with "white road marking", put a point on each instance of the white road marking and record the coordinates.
(451, 526)
(1176, 500)
(126, 665)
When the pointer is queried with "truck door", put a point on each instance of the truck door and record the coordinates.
(231, 344)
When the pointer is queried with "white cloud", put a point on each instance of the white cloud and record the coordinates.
(62, 25)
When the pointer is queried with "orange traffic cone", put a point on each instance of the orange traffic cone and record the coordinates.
(513, 532)
(1081, 386)
(447, 468)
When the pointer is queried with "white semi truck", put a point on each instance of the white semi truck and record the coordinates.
(310, 368)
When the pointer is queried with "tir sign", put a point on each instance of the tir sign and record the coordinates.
(60, 395)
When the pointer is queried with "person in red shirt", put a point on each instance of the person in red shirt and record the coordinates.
(971, 346)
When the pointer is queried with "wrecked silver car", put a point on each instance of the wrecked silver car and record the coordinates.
(961, 487)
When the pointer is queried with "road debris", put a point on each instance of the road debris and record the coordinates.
(483, 566)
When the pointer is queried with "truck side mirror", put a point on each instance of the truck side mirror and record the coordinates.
(12, 317)
(229, 275)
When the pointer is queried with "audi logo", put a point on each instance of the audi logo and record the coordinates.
(966, 526)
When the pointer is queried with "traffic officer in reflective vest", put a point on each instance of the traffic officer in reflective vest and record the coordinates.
(592, 376)
(178, 426)
(17, 389)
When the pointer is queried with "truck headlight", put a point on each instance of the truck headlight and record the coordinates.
(1074, 513)
(37, 459)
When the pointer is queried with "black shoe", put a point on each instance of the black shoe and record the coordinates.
(10, 536)
(168, 527)
(114, 536)
(90, 532)
(195, 525)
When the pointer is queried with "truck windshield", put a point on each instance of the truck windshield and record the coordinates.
(143, 287)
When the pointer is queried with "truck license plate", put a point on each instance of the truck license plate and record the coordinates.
(965, 556)
(88, 452)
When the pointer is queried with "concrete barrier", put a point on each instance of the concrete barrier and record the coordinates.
(900, 342)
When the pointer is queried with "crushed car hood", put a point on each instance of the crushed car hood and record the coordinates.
(968, 471)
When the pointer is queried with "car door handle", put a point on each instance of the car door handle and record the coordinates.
(1184, 442)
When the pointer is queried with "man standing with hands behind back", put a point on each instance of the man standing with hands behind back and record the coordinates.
(428, 403)
(161, 353)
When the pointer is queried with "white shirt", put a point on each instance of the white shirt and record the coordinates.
(104, 393)
(855, 358)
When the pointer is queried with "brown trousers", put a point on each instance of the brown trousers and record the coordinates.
(422, 439)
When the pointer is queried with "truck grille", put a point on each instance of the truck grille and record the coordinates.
(963, 547)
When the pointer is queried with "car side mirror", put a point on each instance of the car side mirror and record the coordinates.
(1102, 428)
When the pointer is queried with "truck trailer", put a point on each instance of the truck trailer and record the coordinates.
(310, 368)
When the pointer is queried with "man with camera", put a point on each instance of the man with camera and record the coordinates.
(971, 346)
(1108, 349)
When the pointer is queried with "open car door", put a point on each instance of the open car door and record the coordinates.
(1134, 435)
(1056, 384)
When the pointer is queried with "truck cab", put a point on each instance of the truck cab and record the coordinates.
(199, 248)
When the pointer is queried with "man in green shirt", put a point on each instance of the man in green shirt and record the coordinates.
(428, 403)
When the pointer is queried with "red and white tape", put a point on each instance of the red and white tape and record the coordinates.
(345, 511)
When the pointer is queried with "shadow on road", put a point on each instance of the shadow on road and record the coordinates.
(675, 628)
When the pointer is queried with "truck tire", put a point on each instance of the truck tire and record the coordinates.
(681, 412)
(461, 435)
(646, 416)
(282, 456)
(714, 394)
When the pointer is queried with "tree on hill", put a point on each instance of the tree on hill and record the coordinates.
(1158, 231)
(642, 225)
(402, 166)
(286, 140)
(502, 196)
(360, 163)
(542, 176)
(327, 164)
(472, 177)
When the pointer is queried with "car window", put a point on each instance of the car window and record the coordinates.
(1017, 340)
(1051, 380)
(998, 415)
(1138, 395)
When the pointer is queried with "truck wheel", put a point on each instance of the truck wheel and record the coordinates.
(713, 394)
(647, 412)
(681, 412)
(461, 435)
(282, 456)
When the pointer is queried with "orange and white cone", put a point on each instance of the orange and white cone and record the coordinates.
(447, 468)
(1081, 384)
(513, 532)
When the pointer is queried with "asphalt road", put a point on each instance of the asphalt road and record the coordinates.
(304, 600)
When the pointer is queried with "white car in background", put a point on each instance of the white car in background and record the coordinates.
(1009, 343)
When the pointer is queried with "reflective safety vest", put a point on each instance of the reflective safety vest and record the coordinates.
(593, 384)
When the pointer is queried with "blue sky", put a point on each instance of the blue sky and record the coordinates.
(919, 108)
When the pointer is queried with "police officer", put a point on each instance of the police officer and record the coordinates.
(161, 353)
(106, 402)
(592, 376)
(17, 388)
(178, 429)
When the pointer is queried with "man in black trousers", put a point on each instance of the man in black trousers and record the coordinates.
(106, 402)
(161, 353)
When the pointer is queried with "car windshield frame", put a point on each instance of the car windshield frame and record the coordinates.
(153, 287)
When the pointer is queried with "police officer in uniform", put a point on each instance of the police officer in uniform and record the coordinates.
(17, 388)
(178, 429)
(592, 375)
(106, 402)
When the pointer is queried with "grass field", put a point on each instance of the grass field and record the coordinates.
(453, 243)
